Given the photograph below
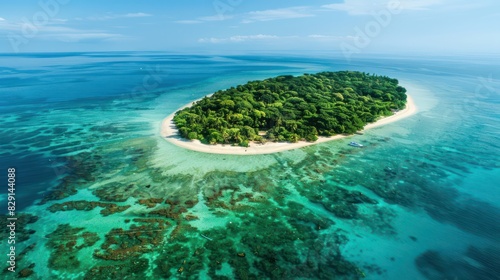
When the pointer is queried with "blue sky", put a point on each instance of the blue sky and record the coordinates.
(348, 26)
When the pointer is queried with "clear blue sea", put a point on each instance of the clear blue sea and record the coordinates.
(100, 195)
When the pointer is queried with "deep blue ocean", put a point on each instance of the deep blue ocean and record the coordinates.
(100, 195)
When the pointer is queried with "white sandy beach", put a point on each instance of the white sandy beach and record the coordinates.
(169, 132)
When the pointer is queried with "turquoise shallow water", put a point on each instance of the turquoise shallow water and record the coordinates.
(100, 195)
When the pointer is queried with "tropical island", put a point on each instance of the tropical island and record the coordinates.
(286, 110)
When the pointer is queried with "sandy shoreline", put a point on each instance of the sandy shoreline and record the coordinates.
(169, 132)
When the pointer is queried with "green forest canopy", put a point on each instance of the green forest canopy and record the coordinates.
(289, 108)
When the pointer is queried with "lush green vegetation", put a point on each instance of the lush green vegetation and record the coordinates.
(288, 108)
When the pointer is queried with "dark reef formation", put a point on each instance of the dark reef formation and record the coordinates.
(476, 263)
(123, 244)
(81, 205)
(282, 221)
(65, 242)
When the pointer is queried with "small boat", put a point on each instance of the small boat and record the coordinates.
(206, 237)
(355, 144)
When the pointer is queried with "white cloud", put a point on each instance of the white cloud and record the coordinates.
(55, 31)
(363, 7)
(278, 14)
(6, 25)
(111, 16)
(263, 37)
(326, 38)
(58, 20)
(265, 15)
(238, 38)
(83, 35)
(204, 19)
(216, 18)
(133, 15)
(187, 21)
(54, 24)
